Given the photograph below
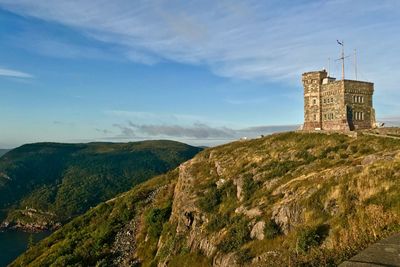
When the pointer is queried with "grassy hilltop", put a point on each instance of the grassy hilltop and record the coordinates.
(287, 199)
(45, 183)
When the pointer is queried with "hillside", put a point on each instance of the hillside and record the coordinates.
(3, 151)
(44, 184)
(291, 199)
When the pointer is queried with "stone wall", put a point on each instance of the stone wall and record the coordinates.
(336, 105)
(312, 99)
(333, 111)
(355, 90)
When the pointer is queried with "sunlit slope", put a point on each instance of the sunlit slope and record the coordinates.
(288, 199)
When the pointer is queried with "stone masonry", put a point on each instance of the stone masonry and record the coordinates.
(343, 105)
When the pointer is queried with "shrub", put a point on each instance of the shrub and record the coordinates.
(156, 218)
(210, 200)
(306, 156)
(249, 187)
(271, 229)
(236, 236)
(311, 236)
(218, 222)
(243, 256)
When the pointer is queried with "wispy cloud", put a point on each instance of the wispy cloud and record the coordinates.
(14, 73)
(196, 131)
(248, 40)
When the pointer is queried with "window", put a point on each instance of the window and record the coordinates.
(358, 116)
(315, 117)
(314, 101)
(332, 100)
(362, 99)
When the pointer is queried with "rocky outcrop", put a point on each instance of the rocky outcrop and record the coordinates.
(30, 220)
(258, 231)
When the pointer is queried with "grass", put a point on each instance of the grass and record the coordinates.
(321, 204)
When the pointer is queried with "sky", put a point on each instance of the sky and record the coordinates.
(202, 72)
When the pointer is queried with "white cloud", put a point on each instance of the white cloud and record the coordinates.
(249, 40)
(14, 73)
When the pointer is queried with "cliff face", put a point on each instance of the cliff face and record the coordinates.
(331, 192)
(287, 199)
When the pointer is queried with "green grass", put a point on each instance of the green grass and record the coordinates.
(335, 205)
(69, 179)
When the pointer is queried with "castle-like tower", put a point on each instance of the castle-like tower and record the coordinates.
(336, 105)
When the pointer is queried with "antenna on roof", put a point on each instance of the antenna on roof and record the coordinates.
(329, 67)
(342, 57)
(355, 63)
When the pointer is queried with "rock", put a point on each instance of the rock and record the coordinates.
(287, 216)
(219, 168)
(258, 230)
(239, 188)
(252, 213)
(370, 159)
(225, 260)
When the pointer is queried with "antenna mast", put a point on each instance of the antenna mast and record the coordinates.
(355, 63)
(342, 57)
(329, 66)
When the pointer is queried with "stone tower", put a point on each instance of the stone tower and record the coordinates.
(343, 105)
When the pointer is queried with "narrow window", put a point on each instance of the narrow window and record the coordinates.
(332, 99)
(314, 101)
(362, 99)
(315, 117)
(362, 116)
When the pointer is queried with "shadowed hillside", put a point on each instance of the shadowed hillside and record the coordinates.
(46, 183)
(288, 199)
(3, 151)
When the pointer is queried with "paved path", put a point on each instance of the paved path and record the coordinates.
(383, 253)
(382, 135)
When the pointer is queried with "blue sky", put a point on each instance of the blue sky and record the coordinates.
(202, 72)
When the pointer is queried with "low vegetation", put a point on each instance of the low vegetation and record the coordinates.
(68, 179)
(287, 199)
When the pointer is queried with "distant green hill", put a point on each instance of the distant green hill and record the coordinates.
(45, 183)
(292, 199)
(3, 151)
